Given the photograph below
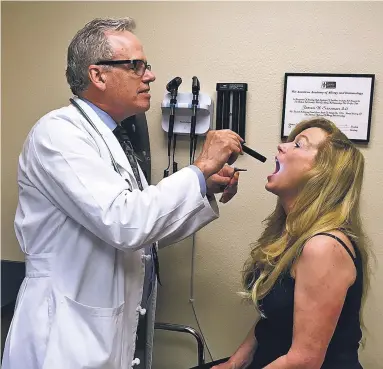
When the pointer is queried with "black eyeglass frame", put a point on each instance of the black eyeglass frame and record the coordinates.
(127, 61)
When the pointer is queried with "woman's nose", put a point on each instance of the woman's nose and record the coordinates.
(281, 148)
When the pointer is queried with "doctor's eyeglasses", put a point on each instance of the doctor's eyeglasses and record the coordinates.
(138, 66)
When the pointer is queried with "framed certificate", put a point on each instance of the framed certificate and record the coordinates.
(345, 99)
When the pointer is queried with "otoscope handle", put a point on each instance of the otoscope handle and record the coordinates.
(172, 110)
(193, 121)
(171, 126)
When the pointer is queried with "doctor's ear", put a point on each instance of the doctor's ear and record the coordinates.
(97, 77)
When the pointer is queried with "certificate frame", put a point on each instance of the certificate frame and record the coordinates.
(361, 89)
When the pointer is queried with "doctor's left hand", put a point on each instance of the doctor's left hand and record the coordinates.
(225, 181)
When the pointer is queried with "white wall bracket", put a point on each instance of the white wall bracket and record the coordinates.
(183, 113)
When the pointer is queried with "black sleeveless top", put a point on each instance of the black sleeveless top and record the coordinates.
(274, 332)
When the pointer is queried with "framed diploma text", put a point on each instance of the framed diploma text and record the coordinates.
(345, 99)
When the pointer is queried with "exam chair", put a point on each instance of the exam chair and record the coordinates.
(200, 345)
(12, 275)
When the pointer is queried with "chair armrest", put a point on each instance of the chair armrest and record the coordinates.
(185, 329)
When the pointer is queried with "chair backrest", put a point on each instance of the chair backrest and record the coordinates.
(12, 275)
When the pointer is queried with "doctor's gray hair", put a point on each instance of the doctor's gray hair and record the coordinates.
(90, 45)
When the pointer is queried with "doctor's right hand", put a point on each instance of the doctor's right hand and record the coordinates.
(220, 147)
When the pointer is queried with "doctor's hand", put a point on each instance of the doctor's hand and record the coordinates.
(220, 147)
(225, 181)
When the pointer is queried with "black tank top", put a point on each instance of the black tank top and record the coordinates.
(274, 332)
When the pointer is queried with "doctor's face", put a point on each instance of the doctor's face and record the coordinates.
(293, 161)
(127, 85)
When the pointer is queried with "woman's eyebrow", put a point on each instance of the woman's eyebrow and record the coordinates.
(305, 137)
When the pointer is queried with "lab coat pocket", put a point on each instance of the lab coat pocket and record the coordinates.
(84, 337)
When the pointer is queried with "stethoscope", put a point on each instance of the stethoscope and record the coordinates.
(86, 116)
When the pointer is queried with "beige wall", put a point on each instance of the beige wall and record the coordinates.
(251, 42)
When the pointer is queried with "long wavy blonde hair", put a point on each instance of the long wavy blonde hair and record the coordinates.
(329, 200)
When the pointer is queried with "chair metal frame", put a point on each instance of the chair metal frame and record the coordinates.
(186, 329)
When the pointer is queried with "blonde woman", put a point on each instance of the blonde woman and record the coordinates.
(308, 272)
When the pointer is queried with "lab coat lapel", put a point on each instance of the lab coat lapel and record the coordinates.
(109, 137)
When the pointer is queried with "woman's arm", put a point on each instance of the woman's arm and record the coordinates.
(242, 358)
(323, 274)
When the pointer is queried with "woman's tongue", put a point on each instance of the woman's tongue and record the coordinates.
(278, 167)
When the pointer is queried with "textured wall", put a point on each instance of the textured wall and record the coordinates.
(253, 42)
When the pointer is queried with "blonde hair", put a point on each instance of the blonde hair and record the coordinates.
(328, 201)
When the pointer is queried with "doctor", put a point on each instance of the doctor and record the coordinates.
(87, 226)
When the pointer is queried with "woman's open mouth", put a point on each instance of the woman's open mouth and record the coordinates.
(277, 166)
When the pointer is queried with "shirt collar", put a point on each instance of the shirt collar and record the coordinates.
(104, 116)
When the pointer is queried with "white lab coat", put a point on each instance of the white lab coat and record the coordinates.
(84, 233)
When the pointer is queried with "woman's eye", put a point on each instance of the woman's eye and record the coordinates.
(297, 144)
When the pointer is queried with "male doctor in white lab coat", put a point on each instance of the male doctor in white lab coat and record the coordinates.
(85, 227)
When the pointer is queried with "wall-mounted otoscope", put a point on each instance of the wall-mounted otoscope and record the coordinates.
(172, 87)
(193, 136)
